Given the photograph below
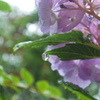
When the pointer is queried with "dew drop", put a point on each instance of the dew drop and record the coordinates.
(45, 57)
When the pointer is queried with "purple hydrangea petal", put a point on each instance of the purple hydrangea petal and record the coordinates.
(96, 76)
(96, 71)
(73, 77)
(90, 70)
(86, 69)
(46, 17)
(65, 66)
(54, 60)
(69, 19)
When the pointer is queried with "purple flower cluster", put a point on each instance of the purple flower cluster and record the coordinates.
(68, 69)
(79, 72)
(59, 16)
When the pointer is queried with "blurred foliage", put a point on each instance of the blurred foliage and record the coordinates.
(20, 72)
(4, 6)
(24, 75)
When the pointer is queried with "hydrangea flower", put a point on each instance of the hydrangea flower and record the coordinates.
(67, 69)
(57, 16)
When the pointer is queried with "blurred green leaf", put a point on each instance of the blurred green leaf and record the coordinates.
(93, 88)
(2, 97)
(14, 87)
(14, 79)
(27, 77)
(4, 78)
(79, 92)
(1, 80)
(55, 91)
(44, 87)
(4, 6)
(1, 70)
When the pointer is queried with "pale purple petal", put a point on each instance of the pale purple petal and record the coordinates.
(86, 69)
(46, 17)
(68, 19)
(73, 77)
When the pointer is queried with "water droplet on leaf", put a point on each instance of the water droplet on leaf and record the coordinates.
(45, 57)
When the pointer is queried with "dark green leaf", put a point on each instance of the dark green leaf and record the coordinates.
(81, 94)
(4, 6)
(76, 51)
(74, 36)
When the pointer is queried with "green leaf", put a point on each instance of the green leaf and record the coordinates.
(4, 6)
(27, 77)
(14, 79)
(44, 87)
(14, 87)
(55, 91)
(76, 51)
(2, 96)
(79, 92)
(74, 36)
(4, 78)
(93, 88)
